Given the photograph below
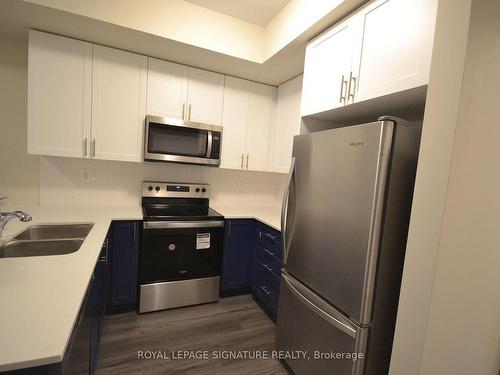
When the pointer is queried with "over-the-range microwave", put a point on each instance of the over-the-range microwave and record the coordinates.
(175, 140)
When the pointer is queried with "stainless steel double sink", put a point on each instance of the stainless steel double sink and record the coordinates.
(46, 239)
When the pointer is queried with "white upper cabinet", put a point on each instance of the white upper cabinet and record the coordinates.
(167, 88)
(59, 95)
(249, 111)
(91, 101)
(395, 47)
(185, 93)
(118, 104)
(286, 126)
(326, 70)
(234, 122)
(384, 48)
(261, 114)
(205, 96)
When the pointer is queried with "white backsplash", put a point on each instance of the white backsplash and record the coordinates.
(80, 181)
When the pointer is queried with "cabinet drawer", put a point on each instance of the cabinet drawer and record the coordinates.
(266, 288)
(270, 263)
(270, 278)
(269, 239)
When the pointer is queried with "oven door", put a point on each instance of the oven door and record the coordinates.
(180, 250)
(176, 141)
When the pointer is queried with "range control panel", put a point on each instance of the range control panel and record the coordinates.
(174, 190)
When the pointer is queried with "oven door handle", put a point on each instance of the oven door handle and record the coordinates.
(182, 224)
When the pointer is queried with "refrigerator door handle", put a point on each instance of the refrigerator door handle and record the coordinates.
(318, 310)
(284, 209)
(386, 137)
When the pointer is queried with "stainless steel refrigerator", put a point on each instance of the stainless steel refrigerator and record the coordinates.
(344, 224)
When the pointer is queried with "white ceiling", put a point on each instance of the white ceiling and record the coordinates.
(258, 12)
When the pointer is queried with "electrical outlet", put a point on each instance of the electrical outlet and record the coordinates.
(85, 176)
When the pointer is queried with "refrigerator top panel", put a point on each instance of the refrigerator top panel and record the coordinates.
(334, 213)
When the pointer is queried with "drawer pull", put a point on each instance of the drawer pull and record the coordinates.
(269, 252)
(270, 236)
(267, 291)
(265, 266)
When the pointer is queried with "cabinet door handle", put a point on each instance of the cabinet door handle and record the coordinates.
(229, 229)
(105, 257)
(85, 141)
(92, 148)
(342, 95)
(242, 157)
(352, 84)
(183, 110)
(248, 157)
(107, 251)
(189, 112)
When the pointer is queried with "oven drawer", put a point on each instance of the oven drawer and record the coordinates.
(171, 294)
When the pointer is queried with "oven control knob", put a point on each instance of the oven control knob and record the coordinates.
(197, 190)
(150, 188)
(203, 190)
(157, 188)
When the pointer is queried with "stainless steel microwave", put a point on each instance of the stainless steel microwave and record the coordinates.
(174, 140)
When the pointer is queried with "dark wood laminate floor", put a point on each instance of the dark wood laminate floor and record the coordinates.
(235, 323)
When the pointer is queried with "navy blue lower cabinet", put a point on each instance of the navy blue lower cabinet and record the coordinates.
(99, 295)
(124, 264)
(266, 268)
(239, 243)
(77, 358)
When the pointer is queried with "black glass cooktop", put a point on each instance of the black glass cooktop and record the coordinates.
(185, 209)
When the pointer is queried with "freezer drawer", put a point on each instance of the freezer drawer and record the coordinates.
(307, 323)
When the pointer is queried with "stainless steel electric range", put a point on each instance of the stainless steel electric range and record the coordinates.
(182, 240)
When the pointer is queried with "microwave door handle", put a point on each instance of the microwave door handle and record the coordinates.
(209, 144)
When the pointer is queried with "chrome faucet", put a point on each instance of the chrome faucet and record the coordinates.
(5, 217)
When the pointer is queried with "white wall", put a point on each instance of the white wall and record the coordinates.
(19, 173)
(300, 16)
(443, 99)
(463, 328)
(51, 180)
(448, 319)
(177, 20)
(119, 183)
(184, 22)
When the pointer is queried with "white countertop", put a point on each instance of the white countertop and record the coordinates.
(41, 296)
(268, 215)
